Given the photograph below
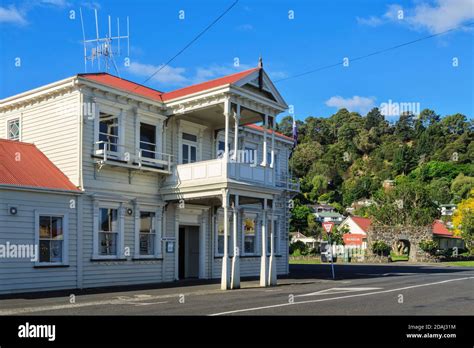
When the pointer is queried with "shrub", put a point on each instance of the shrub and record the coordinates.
(429, 246)
(298, 248)
(380, 248)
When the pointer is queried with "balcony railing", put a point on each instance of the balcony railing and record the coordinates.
(217, 170)
(111, 153)
(288, 182)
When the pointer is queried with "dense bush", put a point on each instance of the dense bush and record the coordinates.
(380, 248)
(429, 246)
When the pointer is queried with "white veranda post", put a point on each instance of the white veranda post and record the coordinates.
(272, 276)
(235, 273)
(225, 279)
(263, 262)
(265, 127)
(236, 132)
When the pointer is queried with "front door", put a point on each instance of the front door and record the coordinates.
(188, 252)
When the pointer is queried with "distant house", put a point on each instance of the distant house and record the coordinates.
(311, 242)
(447, 209)
(319, 208)
(327, 216)
(357, 228)
(444, 237)
(361, 203)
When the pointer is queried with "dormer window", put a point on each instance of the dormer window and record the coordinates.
(13, 129)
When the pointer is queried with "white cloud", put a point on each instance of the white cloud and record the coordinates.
(446, 14)
(434, 17)
(356, 103)
(168, 75)
(58, 3)
(12, 15)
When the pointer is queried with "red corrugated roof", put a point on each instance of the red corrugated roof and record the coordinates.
(135, 88)
(260, 128)
(439, 229)
(207, 85)
(124, 85)
(22, 164)
(362, 222)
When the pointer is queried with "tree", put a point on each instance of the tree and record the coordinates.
(299, 217)
(404, 160)
(404, 126)
(374, 119)
(461, 186)
(304, 156)
(463, 221)
(285, 126)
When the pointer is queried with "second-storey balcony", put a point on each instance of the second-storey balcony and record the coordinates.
(218, 171)
(110, 153)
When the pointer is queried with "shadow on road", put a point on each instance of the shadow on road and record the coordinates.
(356, 271)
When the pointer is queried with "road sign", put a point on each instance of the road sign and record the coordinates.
(328, 226)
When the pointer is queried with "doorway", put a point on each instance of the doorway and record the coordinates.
(188, 252)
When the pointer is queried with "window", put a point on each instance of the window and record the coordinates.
(108, 132)
(148, 140)
(108, 231)
(51, 239)
(189, 148)
(13, 129)
(147, 233)
(275, 237)
(250, 235)
(220, 235)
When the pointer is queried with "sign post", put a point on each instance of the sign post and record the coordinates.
(328, 227)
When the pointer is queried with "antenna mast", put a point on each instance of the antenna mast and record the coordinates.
(102, 48)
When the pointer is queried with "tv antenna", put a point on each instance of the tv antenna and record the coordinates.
(101, 49)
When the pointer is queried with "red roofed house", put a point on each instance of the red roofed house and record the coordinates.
(445, 237)
(357, 227)
(38, 221)
(159, 171)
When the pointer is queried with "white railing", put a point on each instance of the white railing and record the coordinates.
(113, 153)
(217, 170)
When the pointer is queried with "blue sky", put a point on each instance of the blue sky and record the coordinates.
(322, 32)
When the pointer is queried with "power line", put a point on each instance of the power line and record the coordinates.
(189, 43)
(374, 53)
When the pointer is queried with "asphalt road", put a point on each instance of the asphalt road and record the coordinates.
(309, 290)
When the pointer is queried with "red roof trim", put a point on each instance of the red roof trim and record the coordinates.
(33, 169)
(362, 222)
(260, 128)
(221, 81)
(123, 84)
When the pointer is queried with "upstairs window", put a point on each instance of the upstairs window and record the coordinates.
(189, 148)
(148, 140)
(13, 129)
(108, 132)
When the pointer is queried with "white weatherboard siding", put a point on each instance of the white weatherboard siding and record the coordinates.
(52, 125)
(20, 275)
(60, 128)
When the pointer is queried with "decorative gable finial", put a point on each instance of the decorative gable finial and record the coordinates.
(260, 62)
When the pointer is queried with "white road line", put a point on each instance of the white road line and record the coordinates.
(334, 291)
(118, 301)
(340, 297)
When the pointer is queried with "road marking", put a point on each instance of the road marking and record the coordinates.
(340, 297)
(385, 274)
(334, 291)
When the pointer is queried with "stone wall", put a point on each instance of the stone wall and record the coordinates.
(392, 234)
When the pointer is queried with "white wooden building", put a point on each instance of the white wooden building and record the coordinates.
(156, 178)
